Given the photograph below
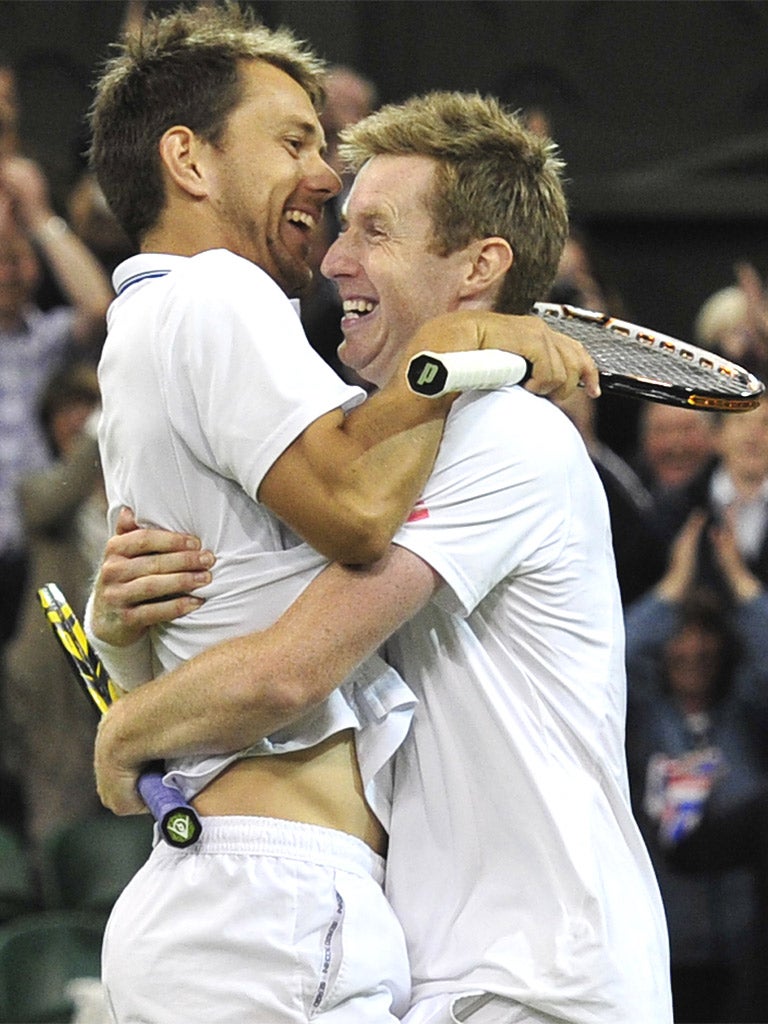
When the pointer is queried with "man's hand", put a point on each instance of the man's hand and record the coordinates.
(744, 585)
(115, 782)
(683, 559)
(25, 183)
(146, 577)
(560, 364)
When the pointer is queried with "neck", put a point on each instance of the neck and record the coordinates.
(183, 231)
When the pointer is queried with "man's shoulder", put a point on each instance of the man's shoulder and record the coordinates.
(512, 412)
(209, 270)
(228, 264)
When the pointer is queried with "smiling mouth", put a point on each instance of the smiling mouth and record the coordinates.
(355, 309)
(301, 219)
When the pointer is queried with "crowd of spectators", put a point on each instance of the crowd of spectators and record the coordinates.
(689, 512)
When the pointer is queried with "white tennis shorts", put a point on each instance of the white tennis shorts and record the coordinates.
(260, 922)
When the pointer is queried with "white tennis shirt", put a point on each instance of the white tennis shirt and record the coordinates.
(515, 864)
(206, 378)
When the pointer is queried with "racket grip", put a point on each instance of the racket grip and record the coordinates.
(436, 373)
(179, 824)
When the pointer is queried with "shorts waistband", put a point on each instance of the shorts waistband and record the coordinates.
(275, 837)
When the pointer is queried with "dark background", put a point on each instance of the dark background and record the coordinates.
(660, 109)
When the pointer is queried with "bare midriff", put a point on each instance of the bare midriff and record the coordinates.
(319, 786)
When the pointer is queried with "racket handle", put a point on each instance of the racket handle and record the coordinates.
(179, 824)
(436, 373)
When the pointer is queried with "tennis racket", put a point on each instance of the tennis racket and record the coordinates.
(631, 360)
(179, 824)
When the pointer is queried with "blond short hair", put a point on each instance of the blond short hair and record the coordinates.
(720, 313)
(494, 178)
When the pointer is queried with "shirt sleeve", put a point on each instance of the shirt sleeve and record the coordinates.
(242, 363)
(493, 507)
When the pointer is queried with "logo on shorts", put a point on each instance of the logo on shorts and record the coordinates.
(181, 829)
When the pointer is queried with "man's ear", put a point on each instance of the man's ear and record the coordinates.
(180, 152)
(490, 259)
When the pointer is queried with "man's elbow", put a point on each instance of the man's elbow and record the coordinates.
(358, 538)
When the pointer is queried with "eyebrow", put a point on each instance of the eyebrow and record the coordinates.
(371, 215)
(307, 129)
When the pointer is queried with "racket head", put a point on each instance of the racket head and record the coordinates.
(642, 363)
(86, 667)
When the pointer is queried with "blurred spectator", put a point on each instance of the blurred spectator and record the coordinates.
(32, 345)
(675, 445)
(721, 323)
(537, 119)
(697, 728)
(640, 557)
(51, 730)
(349, 98)
(580, 283)
(733, 321)
(9, 108)
(94, 223)
(733, 489)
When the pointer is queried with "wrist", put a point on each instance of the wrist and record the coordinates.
(746, 589)
(48, 227)
(111, 745)
(668, 591)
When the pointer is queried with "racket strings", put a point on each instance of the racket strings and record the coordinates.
(618, 349)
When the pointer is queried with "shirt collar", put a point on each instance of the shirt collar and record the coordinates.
(142, 267)
(147, 265)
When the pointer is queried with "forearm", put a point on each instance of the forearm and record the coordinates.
(218, 701)
(78, 273)
(347, 483)
(345, 496)
(247, 688)
(398, 433)
(129, 665)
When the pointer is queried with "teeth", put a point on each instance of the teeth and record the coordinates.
(300, 217)
(357, 306)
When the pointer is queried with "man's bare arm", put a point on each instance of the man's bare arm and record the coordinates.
(78, 273)
(348, 483)
(236, 693)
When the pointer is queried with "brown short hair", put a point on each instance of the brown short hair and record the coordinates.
(182, 68)
(494, 178)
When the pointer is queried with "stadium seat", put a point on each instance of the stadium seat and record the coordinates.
(18, 892)
(88, 863)
(40, 955)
